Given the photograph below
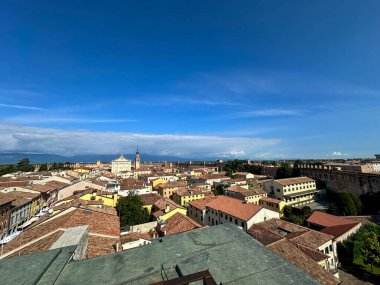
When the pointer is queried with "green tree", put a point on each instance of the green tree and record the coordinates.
(43, 167)
(24, 165)
(284, 171)
(306, 211)
(219, 189)
(346, 204)
(131, 212)
(358, 204)
(371, 249)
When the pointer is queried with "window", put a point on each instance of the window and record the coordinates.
(236, 221)
(242, 224)
(331, 247)
(230, 219)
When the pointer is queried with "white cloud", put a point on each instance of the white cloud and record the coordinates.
(269, 113)
(338, 153)
(20, 107)
(67, 142)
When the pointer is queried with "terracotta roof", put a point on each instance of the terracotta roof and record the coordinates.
(214, 176)
(297, 257)
(13, 184)
(179, 223)
(172, 184)
(149, 199)
(327, 220)
(41, 245)
(135, 236)
(339, 230)
(5, 199)
(20, 198)
(295, 233)
(295, 180)
(188, 191)
(235, 207)
(99, 224)
(201, 203)
(271, 200)
(163, 202)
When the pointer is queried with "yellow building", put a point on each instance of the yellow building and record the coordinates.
(109, 199)
(273, 204)
(185, 195)
(158, 181)
(293, 191)
(164, 208)
(168, 189)
(249, 196)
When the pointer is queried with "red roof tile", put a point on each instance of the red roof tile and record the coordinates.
(235, 207)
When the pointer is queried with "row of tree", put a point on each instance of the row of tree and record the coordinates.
(23, 165)
(346, 204)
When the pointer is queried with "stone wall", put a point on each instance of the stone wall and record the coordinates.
(339, 181)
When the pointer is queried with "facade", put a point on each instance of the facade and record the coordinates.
(226, 210)
(120, 164)
(248, 196)
(169, 188)
(5, 210)
(197, 209)
(293, 191)
(185, 195)
(273, 204)
(21, 208)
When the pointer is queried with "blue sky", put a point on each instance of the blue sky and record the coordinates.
(256, 79)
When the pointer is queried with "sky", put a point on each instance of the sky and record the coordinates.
(230, 79)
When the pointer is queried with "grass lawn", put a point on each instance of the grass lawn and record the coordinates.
(359, 262)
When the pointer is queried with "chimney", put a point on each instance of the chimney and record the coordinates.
(167, 208)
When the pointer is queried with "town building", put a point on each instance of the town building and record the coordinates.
(183, 196)
(273, 204)
(224, 210)
(339, 227)
(319, 246)
(5, 210)
(120, 164)
(178, 223)
(167, 189)
(164, 208)
(248, 196)
(197, 209)
(293, 191)
(103, 235)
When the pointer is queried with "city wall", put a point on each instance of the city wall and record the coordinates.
(339, 181)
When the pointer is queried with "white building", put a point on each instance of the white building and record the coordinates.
(120, 164)
(233, 211)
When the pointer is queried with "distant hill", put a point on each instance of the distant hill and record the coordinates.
(48, 158)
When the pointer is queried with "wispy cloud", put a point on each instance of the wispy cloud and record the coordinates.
(73, 120)
(268, 113)
(57, 141)
(19, 93)
(2, 105)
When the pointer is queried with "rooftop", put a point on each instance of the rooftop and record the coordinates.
(179, 223)
(295, 180)
(327, 220)
(235, 207)
(231, 256)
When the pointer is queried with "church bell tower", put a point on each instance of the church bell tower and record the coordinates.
(137, 160)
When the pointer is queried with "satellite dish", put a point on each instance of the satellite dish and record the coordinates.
(50, 211)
